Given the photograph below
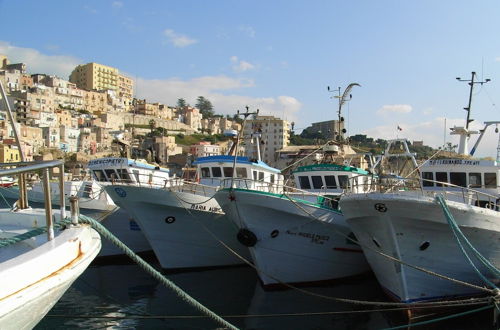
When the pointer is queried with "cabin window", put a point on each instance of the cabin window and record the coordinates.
(304, 182)
(123, 173)
(99, 175)
(137, 176)
(317, 182)
(216, 172)
(241, 172)
(475, 180)
(330, 182)
(205, 172)
(228, 172)
(254, 175)
(458, 178)
(272, 178)
(111, 174)
(428, 176)
(441, 177)
(261, 176)
(87, 189)
(343, 181)
(490, 180)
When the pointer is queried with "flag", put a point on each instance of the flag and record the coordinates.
(399, 128)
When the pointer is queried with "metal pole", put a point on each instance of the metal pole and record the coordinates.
(74, 209)
(22, 188)
(62, 197)
(48, 205)
(11, 118)
(470, 100)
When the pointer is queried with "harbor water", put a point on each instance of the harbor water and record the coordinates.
(125, 297)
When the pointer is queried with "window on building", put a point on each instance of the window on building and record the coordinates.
(216, 172)
(317, 182)
(241, 172)
(441, 177)
(272, 178)
(228, 172)
(261, 176)
(304, 182)
(428, 176)
(490, 180)
(343, 181)
(458, 178)
(475, 180)
(330, 182)
(254, 175)
(205, 172)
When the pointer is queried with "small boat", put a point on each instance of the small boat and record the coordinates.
(37, 267)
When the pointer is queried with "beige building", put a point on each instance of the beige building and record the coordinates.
(274, 135)
(9, 153)
(96, 102)
(94, 76)
(165, 147)
(204, 149)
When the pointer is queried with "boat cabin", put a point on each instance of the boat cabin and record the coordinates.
(250, 174)
(331, 178)
(128, 171)
(480, 175)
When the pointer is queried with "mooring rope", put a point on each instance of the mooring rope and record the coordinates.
(393, 258)
(154, 273)
(459, 235)
(371, 303)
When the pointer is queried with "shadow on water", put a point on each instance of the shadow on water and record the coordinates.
(104, 293)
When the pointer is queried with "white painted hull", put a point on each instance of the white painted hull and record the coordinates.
(36, 273)
(291, 246)
(185, 242)
(402, 232)
(127, 230)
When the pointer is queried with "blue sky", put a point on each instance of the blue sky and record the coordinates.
(279, 56)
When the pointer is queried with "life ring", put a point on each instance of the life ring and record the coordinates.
(246, 237)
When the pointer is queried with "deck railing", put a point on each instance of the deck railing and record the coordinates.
(20, 169)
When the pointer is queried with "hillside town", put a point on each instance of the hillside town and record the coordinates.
(95, 114)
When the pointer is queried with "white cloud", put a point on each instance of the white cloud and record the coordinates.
(117, 4)
(240, 65)
(221, 91)
(432, 132)
(178, 40)
(248, 30)
(394, 108)
(90, 10)
(36, 62)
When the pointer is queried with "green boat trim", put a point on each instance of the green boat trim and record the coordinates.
(282, 196)
(330, 167)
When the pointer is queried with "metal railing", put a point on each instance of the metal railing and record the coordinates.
(20, 169)
(452, 192)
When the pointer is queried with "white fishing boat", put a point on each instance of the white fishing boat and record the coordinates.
(111, 170)
(296, 236)
(36, 268)
(408, 223)
(184, 217)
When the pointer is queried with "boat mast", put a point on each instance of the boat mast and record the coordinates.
(464, 133)
(342, 100)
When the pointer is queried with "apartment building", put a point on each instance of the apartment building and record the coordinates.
(274, 135)
(94, 76)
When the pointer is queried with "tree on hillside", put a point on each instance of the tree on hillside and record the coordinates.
(205, 106)
(181, 103)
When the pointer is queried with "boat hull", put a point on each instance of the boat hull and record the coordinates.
(35, 273)
(413, 228)
(185, 230)
(290, 246)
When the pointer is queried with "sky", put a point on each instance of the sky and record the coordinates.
(280, 56)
